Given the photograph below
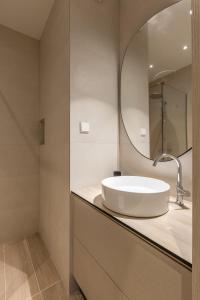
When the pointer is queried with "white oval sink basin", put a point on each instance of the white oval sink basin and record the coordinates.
(136, 196)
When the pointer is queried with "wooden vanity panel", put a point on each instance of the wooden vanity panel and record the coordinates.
(139, 270)
(95, 283)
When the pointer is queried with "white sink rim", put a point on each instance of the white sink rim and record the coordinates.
(111, 181)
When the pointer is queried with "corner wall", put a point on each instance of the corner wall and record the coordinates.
(133, 15)
(54, 154)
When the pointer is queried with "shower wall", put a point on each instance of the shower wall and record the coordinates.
(19, 112)
(168, 120)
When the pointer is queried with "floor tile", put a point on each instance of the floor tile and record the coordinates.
(56, 292)
(38, 297)
(21, 281)
(2, 278)
(45, 271)
(75, 297)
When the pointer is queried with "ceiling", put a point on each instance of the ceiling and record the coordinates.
(26, 16)
(168, 32)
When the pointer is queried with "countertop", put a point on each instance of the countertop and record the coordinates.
(171, 232)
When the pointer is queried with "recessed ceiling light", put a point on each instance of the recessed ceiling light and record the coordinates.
(191, 12)
(185, 47)
(151, 66)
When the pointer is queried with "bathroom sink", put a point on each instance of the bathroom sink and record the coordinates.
(136, 196)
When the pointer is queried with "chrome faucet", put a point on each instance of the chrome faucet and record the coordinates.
(180, 192)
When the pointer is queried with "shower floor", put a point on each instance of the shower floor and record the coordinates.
(26, 272)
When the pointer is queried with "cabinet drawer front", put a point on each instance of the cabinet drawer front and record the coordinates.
(138, 269)
(95, 283)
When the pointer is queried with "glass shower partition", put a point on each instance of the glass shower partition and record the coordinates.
(168, 120)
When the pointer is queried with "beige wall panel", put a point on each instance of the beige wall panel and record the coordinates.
(54, 155)
(139, 270)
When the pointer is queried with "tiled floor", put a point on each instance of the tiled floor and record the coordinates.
(27, 273)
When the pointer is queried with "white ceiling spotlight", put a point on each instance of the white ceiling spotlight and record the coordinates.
(151, 66)
(191, 12)
(185, 47)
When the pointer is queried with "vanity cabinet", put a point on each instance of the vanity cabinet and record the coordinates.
(112, 263)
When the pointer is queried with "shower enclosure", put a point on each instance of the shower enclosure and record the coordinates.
(168, 120)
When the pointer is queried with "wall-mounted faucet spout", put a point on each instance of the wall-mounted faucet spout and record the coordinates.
(180, 192)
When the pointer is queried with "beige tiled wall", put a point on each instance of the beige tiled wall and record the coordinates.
(133, 15)
(19, 114)
(94, 47)
(54, 154)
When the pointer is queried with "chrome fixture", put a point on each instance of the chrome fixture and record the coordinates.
(180, 192)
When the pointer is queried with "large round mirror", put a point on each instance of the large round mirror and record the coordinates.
(156, 84)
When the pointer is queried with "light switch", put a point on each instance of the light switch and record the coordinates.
(143, 132)
(84, 127)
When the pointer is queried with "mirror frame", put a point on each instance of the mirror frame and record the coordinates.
(120, 85)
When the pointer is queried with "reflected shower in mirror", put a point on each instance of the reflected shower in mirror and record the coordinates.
(156, 84)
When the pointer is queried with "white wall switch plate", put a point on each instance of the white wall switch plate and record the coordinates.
(143, 132)
(84, 127)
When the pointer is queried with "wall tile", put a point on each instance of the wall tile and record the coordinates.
(92, 162)
(94, 89)
(19, 115)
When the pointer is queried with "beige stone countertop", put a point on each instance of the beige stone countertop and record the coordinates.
(171, 232)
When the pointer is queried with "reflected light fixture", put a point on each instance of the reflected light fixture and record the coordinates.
(185, 47)
(191, 12)
(151, 66)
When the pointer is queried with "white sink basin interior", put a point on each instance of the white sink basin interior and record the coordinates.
(136, 196)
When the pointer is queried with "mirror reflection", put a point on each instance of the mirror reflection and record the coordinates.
(156, 84)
